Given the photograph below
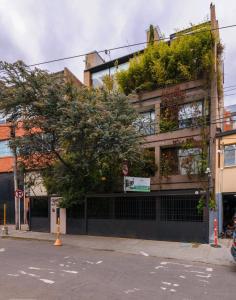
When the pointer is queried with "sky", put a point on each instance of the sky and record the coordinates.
(41, 30)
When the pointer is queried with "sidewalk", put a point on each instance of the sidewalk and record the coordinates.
(166, 250)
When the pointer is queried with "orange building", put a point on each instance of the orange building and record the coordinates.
(230, 118)
(7, 159)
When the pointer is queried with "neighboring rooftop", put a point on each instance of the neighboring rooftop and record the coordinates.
(230, 108)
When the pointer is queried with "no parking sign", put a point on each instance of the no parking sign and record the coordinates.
(19, 193)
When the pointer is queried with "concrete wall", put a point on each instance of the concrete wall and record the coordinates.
(93, 59)
(194, 90)
(225, 176)
(53, 216)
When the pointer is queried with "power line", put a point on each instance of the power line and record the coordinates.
(228, 95)
(129, 45)
(229, 90)
(229, 87)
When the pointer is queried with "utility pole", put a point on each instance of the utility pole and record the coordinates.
(208, 172)
(13, 135)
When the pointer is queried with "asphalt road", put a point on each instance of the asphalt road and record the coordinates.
(38, 270)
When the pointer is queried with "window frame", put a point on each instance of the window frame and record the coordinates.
(233, 164)
(175, 166)
(110, 71)
(194, 166)
(150, 124)
(187, 122)
(5, 153)
(3, 119)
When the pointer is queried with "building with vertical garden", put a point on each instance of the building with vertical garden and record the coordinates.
(175, 85)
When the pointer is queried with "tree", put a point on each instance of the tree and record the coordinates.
(77, 138)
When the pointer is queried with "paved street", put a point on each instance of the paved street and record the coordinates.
(38, 270)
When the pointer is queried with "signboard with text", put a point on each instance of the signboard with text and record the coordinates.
(136, 184)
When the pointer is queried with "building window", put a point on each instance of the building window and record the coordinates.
(97, 77)
(189, 160)
(189, 114)
(233, 121)
(174, 117)
(178, 161)
(5, 149)
(230, 155)
(2, 119)
(145, 123)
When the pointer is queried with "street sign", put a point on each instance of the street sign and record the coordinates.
(19, 193)
(136, 184)
(125, 169)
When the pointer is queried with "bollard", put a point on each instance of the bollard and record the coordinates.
(215, 245)
(5, 228)
(58, 241)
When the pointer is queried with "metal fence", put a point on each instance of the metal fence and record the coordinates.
(180, 209)
(162, 217)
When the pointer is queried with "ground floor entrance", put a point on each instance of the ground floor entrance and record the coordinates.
(229, 209)
(7, 197)
(159, 216)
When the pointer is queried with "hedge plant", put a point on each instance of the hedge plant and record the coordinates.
(184, 58)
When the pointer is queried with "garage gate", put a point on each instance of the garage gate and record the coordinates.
(172, 217)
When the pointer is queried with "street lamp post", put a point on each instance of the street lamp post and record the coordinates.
(208, 172)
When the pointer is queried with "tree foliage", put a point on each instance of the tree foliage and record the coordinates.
(76, 137)
(184, 58)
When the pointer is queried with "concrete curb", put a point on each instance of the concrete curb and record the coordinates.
(25, 238)
(207, 255)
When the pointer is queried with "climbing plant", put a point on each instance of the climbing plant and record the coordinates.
(186, 57)
(170, 101)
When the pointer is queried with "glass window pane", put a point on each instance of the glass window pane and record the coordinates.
(2, 118)
(189, 160)
(145, 123)
(230, 155)
(5, 149)
(188, 112)
(121, 67)
(97, 77)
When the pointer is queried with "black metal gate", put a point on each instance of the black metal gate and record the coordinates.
(7, 197)
(172, 217)
(76, 219)
(40, 214)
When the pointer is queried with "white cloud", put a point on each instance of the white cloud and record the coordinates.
(38, 30)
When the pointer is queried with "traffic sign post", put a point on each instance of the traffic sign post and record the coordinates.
(18, 195)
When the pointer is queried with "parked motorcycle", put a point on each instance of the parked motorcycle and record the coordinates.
(233, 247)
